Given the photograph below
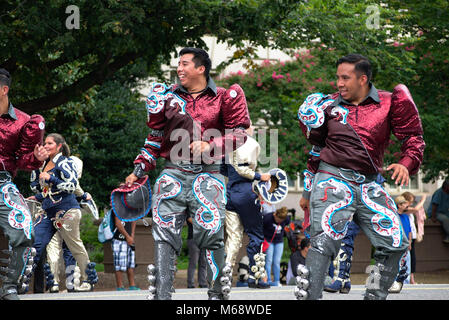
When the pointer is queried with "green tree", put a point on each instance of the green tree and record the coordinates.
(52, 64)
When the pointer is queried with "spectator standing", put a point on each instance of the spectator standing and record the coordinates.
(439, 208)
(417, 216)
(417, 209)
(273, 229)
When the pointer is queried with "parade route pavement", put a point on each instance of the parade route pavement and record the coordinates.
(409, 292)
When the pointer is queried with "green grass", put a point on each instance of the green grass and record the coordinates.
(99, 267)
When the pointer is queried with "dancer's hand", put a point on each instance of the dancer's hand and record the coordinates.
(130, 240)
(44, 176)
(40, 153)
(130, 179)
(400, 174)
(198, 147)
(304, 204)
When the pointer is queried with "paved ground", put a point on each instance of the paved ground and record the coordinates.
(409, 292)
(107, 280)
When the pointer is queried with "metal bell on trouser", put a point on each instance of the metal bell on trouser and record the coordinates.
(224, 280)
(23, 288)
(50, 277)
(225, 290)
(4, 271)
(151, 279)
(50, 283)
(152, 289)
(151, 269)
(33, 252)
(91, 265)
(302, 271)
(300, 294)
(22, 284)
(227, 270)
(302, 283)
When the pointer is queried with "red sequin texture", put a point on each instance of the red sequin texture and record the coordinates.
(18, 137)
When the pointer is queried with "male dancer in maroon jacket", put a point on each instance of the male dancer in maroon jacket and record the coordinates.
(350, 131)
(20, 148)
(193, 125)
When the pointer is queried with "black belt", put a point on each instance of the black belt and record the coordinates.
(193, 168)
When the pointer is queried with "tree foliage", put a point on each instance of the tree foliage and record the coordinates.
(52, 64)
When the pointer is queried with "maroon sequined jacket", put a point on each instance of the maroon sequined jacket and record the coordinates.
(19, 134)
(356, 137)
(218, 116)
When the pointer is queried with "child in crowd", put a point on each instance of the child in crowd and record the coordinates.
(402, 205)
(123, 252)
(417, 216)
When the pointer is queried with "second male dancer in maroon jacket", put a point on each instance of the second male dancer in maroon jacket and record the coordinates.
(350, 131)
